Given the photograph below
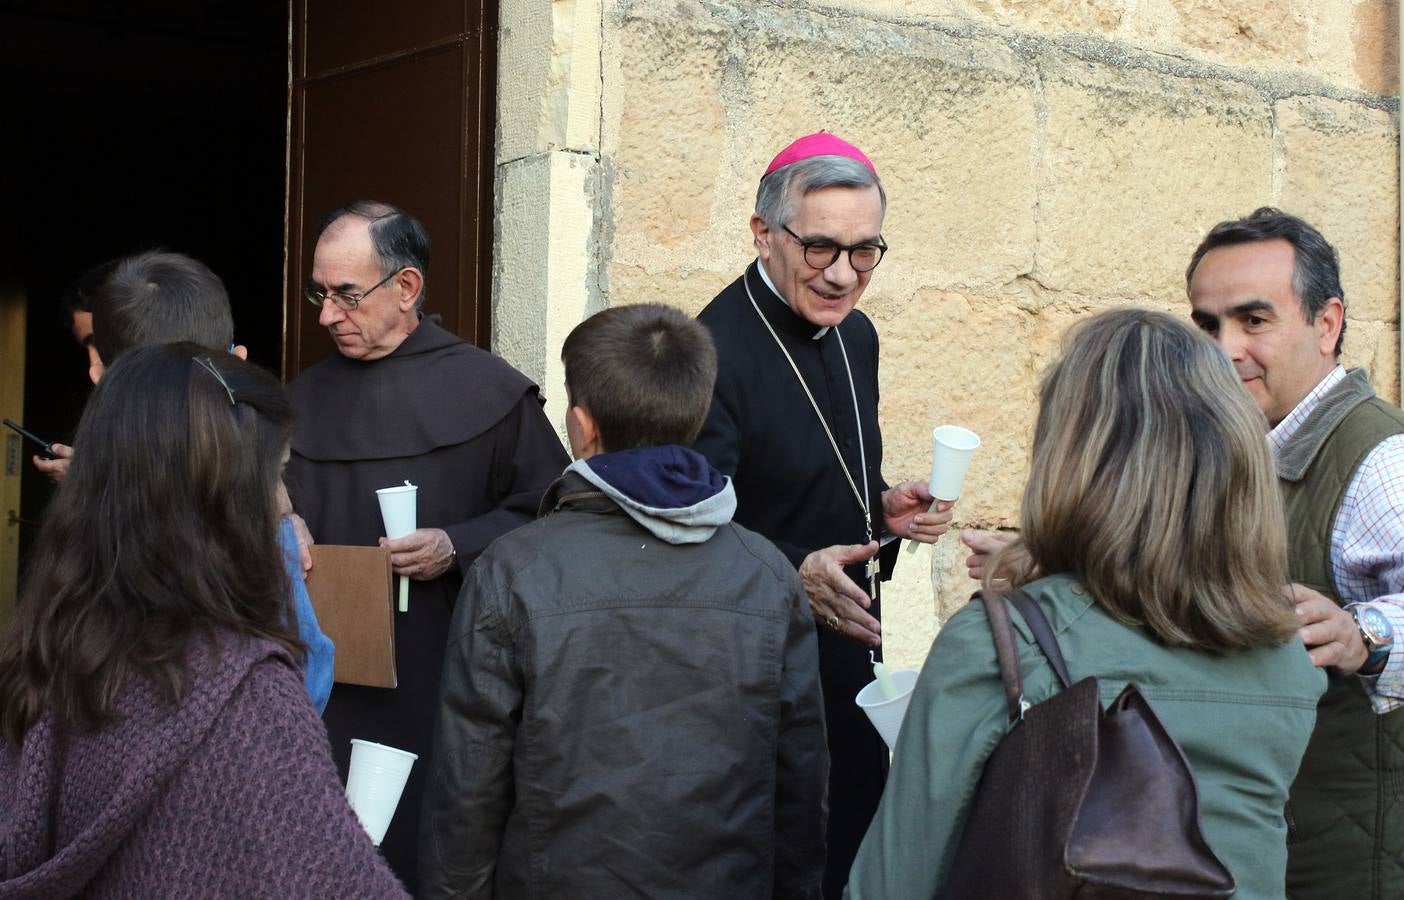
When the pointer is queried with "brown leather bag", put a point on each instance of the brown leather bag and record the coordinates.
(1077, 802)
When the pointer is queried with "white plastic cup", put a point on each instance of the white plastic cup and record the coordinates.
(374, 784)
(399, 509)
(951, 450)
(886, 715)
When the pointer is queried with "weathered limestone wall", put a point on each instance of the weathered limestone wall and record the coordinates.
(1044, 159)
(550, 231)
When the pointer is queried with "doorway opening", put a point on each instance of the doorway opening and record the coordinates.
(132, 126)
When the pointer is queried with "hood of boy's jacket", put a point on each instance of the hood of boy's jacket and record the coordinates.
(671, 491)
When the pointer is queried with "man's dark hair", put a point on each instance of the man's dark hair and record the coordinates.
(644, 372)
(79, 296)
(1316, 277)
(160, 298)
(397, 238)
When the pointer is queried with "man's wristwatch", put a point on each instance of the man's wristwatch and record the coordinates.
(1376, 632)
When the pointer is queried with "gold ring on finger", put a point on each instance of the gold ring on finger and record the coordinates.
(833, 622)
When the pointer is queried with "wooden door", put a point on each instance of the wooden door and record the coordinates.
(17, 453)
(394, 102)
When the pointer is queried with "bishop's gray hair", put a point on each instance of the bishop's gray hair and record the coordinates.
(775, 198)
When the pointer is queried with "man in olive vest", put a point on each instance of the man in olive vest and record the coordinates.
(1267, 288)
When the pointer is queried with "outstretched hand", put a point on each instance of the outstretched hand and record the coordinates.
(300, 530)
(983, 546)
(304, 540)
(836, 602)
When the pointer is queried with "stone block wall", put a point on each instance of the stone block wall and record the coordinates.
(1044, 159)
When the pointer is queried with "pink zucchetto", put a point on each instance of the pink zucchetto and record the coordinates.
(820, 143)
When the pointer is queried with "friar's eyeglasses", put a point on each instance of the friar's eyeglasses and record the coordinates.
(347, 302)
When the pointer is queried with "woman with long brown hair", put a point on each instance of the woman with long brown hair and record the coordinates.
(1152, 504)
(155, 735)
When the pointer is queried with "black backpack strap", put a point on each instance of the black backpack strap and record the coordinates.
(1043, 633)
(1002, 630)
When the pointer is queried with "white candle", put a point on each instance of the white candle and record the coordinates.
(884, 680)
(405, 580)
(911, 544)
(398, 512)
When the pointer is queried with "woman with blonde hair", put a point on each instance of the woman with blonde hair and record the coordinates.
(1152, 504)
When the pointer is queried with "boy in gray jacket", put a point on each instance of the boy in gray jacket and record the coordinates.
(631, 701)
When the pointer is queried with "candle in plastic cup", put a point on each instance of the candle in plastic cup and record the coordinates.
(884, 680)
(885, 713)
(951, 449)
(399, 510)
(374, 784)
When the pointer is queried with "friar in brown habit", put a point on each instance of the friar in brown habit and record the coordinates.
(404, 399)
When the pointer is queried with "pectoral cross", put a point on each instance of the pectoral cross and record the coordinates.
(871, 567)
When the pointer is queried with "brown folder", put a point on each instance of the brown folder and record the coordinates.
(350, 589)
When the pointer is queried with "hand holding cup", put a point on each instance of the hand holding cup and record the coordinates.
(952, 448)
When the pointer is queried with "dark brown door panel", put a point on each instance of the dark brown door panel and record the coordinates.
(397, 106)
(344, 33)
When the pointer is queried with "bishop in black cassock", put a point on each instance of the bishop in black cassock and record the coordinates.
(469, 431)
(788, 340)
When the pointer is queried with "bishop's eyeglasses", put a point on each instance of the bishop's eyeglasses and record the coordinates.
(348, 302)
(822, 253)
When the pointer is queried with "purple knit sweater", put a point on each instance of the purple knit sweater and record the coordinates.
(231, 794)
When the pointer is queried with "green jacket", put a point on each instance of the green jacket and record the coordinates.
(1346, 812)
(1242, 720)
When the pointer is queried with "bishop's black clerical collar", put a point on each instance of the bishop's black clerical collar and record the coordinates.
(779, 313)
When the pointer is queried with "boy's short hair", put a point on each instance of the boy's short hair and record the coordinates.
(160, 298)
(644, 372)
